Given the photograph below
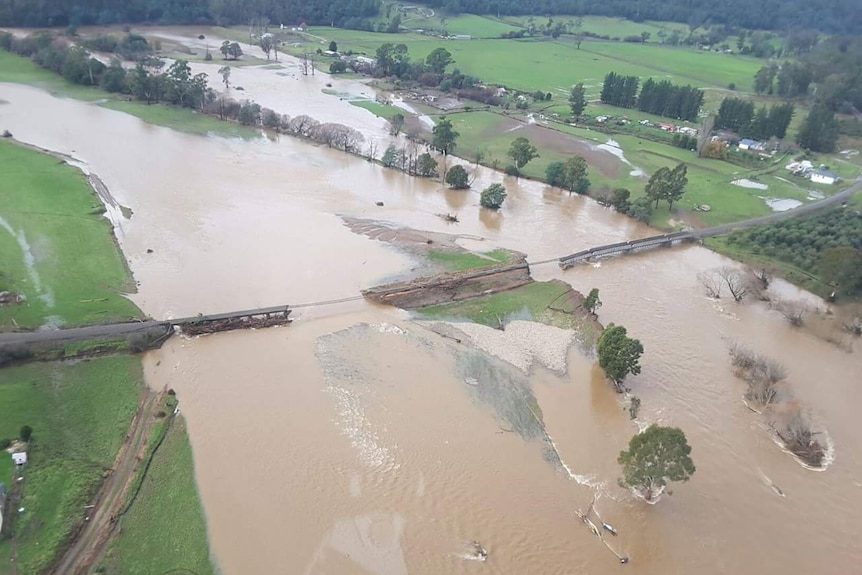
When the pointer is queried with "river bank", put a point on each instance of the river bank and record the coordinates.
(64, 264)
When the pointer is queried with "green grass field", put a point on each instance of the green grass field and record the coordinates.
(381, 110)
(56, 247)
(165, 529)
(80, 414)
(468, 260)
(554, 66)
(19, 70)
(533, 298)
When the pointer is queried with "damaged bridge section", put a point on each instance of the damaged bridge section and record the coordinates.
(451, 287)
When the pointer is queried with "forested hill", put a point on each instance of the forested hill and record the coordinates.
(830, 16)
(84, 12)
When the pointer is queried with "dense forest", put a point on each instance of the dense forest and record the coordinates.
(344, 13)
(833, 16)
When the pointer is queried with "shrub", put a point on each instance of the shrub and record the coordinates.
(26, 433)
(511, 170)
(338, 67)
(5, 443)
(731, 86)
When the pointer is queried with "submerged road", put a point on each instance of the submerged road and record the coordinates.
(130, 328)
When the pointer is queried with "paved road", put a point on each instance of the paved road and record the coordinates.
(835, 200)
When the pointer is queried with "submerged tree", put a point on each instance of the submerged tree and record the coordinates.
(655, 457)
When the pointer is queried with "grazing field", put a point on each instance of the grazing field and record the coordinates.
(80, 414)
(19, 70)
(469, 24)
(165, 529)
(381, 110)
(603, 25)
(57, 247)
(468, 260)
(531, 300)
(554, 66)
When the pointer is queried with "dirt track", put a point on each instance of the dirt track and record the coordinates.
(90, 542)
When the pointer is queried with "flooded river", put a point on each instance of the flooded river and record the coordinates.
(358, 441)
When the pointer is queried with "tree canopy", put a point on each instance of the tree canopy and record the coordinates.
(666, 184)
(655, 457)
(493, 196)
(457, 178)
(444, 137)
(619, 355)
(819, 130)
(570, 175)
(577, 100)
(522, 151)
(837, 16)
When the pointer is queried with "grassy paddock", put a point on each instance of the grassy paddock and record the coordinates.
(554, 66)
(165, 529)
(531, 300)
(468, 260)
(56, 247)
(380, 110)
(80, 414)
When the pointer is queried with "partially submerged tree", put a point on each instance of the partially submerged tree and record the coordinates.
(619, 355)
(654, 458)
(493, 196)
(592, 303)
(711, 282)
(793, 426)
(224, 71)
(794, 311)
(570, 175)
(762, 374)
(457, 178)
(735, 281)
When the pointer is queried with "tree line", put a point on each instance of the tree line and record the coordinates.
(669, 100)
(832, 17)
(40, 13)
(661, 98)
(741, 117)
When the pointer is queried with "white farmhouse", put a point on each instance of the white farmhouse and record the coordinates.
(823, 176)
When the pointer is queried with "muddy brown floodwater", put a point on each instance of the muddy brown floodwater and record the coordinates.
(359, 441)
